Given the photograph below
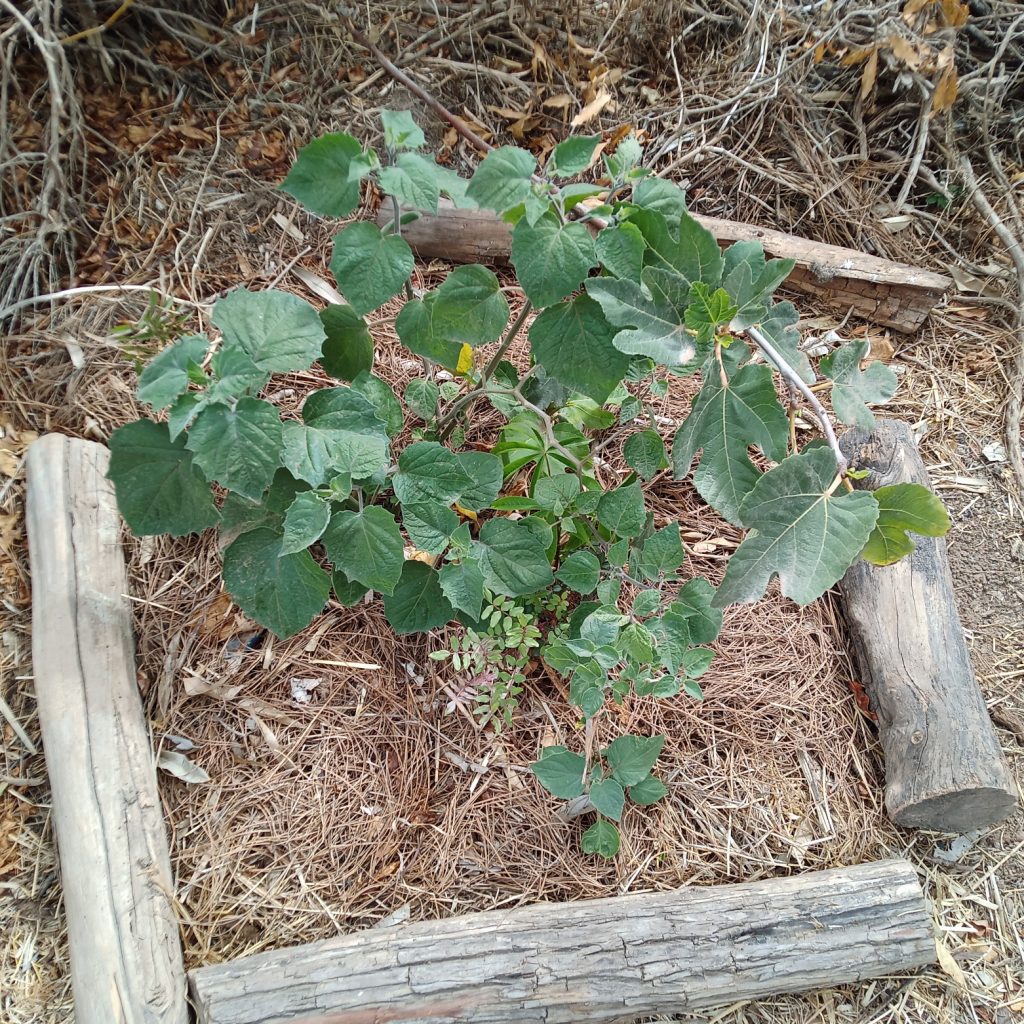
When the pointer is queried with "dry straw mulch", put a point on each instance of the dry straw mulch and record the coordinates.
(369, 803)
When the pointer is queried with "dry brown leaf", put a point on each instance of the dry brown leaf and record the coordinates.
(819, 53)
(945, 91)
(867, 81)
(197, 686)
(905, 51)
(593, 108)
(560, 101)
(913, 7)
(954, 12)
(858, 56)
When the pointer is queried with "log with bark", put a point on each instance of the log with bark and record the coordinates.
(126, 960)
(600, 960)
(893, 294)
(943, 765)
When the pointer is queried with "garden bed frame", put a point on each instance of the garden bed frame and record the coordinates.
(598, 960)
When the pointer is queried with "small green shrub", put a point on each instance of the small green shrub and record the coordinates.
(632, 294)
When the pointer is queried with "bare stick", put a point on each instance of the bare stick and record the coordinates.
(417, 90)
(793, 378)
(1015, 401)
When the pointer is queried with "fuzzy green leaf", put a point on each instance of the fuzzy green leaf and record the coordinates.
(853, 389)
(661, 196)
(367, 546)
(681, 245)
(694, 603)
(167, 375)
(281, 592)
(320, 179)
(622, 510)
(419, 333)
(724, 422)
(400, 130)
(662, 553)
(384, 401)
(560, 772)
(513, 558)
(651, 315)
(581, 572)
(234, 375)
(602, 839)
(413, 180)
(418, 603)
(503, 179)
(573, 342)
(304, 522)
(631, 758)
(279, 332)
(429, 525)
(462, 583)
(370, 268)
(573, 155)
(650, 791)
(645, 452)
(750, 281)
(421, 397)
(798, 531)
(429, 472)
(646, 602)
(902, 508)
(608, 798)
(239, 448)
(620, 250)
(159, 489)
(551, 259)
(486, 475)
(708, 310)
(340, 433)
(470, 307)
(348, 348)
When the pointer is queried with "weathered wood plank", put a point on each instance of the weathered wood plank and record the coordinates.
(943, 766)
(126, 960)
(880, 290)
(597, 960)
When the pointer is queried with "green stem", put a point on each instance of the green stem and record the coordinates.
(397, 229)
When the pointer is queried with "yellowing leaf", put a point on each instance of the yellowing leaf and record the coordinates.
(465, 360)
(468, 513)
(857, 57)
(415, 555)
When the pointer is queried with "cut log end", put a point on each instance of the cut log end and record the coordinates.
(944, 768)
(964, 810)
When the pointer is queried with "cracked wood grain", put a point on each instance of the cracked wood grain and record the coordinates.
(600, 960)
(892, 294)
(944, 769)
(126, 960)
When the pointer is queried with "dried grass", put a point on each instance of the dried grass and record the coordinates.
(369, 804)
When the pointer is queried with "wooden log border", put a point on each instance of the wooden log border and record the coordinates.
(596, 960)
(885, 292)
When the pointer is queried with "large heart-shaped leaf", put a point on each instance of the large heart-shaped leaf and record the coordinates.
(418, 604)
(370, 267)
(551, 258)
(573, 342)
(320, 178)
(367, 546)
(159, 488)
(280, 591)
(279, 332)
